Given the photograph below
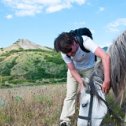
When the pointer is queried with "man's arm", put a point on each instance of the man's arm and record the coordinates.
(106, 67)
(76, 75)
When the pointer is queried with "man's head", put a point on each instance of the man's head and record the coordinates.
(66, 43)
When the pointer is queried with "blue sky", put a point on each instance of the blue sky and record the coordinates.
(41, 21)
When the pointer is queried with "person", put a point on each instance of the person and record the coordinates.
(80, 66)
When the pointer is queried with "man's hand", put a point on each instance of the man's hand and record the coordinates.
(106, 86)
(81, 87)
(83, 84)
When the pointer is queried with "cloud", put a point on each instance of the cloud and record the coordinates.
(32, 7)
(114, 26)
(57, 7)
(9, 16)
(101, 9)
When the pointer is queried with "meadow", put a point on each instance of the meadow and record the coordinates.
(38, 106)
(31, 106)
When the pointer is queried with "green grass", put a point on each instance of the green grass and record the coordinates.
(40, 106)
(34, 106)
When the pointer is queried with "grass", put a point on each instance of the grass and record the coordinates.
(31, 106)
(37, 106)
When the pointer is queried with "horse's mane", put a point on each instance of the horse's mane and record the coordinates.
(117, 52)
(96, 78)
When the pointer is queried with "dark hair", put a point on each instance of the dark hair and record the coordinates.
(63, 42)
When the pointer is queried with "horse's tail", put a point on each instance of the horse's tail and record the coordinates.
(117, 53)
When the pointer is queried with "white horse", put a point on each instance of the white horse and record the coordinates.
(92, 108)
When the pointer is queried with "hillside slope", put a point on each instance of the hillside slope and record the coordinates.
(18, 65)
(23, 44)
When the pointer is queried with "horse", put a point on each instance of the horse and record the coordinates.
(93, 105)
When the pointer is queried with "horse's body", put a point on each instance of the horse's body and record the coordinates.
(117, 52)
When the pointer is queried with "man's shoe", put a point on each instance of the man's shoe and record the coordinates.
(65, 124)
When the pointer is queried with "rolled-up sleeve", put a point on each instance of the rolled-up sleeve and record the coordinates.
(66, 58)
(89, 44)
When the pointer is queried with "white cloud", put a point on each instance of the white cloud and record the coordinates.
(101, 9)
(114, 26)
(32, 7)
(58, 7)
(9, 16)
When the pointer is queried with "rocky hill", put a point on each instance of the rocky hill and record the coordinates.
(25, 61)
(23, 44)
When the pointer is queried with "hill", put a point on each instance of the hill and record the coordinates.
(23, 44)
(27, 62)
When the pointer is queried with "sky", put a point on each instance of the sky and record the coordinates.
(41, 21)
